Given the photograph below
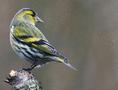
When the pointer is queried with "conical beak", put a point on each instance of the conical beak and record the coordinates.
(38, 19)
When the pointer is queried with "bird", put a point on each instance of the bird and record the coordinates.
(30, 44)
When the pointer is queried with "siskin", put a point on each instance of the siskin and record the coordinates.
(29, 43)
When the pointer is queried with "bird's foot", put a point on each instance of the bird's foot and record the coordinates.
(27, 69)
(30, 68)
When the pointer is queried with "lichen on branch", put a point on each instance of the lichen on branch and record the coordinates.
(22, 80)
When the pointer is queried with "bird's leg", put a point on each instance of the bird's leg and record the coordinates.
(30, 68)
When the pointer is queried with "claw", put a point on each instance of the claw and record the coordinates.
(27, 69)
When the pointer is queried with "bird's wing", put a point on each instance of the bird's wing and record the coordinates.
(35, 39)
(45, 47)
(39, 44)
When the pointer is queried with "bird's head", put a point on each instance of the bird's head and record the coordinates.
(28, 15)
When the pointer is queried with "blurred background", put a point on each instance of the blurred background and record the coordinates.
(86, 31)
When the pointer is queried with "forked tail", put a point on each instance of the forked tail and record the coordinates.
(69, 65)
(65, 61)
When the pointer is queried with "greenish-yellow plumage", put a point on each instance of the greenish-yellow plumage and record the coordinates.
(30, 43)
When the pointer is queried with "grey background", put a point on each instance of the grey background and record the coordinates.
(86, 31)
